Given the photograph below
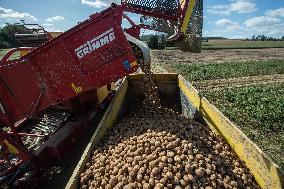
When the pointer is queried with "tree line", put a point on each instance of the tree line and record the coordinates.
(265, 38)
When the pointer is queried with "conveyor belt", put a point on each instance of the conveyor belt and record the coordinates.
(50, 121)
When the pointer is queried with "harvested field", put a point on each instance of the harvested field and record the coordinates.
(156, 148)
(216, 56)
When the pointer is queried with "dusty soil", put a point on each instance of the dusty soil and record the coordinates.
(216, 56)
(219, 84)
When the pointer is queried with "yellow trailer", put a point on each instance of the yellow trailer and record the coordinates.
(176, 91)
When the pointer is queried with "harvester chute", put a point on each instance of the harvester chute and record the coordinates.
(182, 20)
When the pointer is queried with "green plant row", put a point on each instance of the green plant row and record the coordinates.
(195, 72)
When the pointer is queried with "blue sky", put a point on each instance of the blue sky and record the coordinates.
(227, 18)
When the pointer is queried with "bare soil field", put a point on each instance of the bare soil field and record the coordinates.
(241, 44)
(216, 56)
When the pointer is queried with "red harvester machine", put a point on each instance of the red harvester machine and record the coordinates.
(49, 95)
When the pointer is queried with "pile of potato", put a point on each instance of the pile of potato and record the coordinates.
(154, 147)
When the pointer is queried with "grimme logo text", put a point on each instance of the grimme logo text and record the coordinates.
(95, 43)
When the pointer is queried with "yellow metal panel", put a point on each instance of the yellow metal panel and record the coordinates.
(267, 174)
(190, 92)
(23, 53)
(188, 15)
(12, 149)
(55, 34)
(106, 123)
(112, 86)
(103, 92)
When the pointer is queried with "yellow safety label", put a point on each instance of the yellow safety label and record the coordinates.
(75, 88)
(11, 148)
(133, 64)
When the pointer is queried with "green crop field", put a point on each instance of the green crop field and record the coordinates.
(195, 72)
(259, 112)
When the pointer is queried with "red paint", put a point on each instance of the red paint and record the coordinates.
(44, 77)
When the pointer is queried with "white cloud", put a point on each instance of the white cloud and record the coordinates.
(47, 24)
(220, 9)
(265, 25)
(243, 7)
(98, 3)
(261, 21)
(238, 37)
(254, 26)
(228, 24)
(225, 22)
(275, 30)
(55, 18)
(51, 28)
(11, 14)
(238, 6)
(275, 13)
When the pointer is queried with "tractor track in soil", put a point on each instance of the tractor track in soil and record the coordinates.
(220, 84)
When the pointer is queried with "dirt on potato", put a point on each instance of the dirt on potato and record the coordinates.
(154, 147)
